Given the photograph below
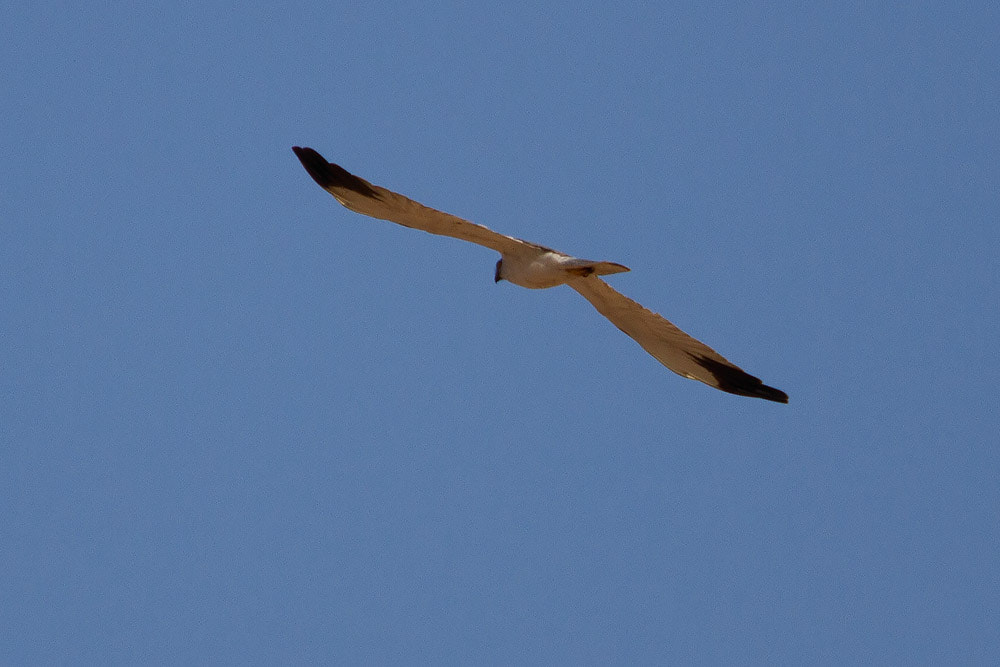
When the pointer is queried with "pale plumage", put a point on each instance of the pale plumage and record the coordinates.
(537, 267)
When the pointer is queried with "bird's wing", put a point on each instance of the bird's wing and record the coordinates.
(669, 345)
(362, 197)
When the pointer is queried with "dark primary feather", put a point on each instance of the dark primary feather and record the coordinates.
(329, 175)
(737, 381)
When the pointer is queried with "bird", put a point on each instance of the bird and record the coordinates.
(536, 267)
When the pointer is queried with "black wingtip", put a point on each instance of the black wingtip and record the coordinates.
(735, 381)
(772, 394)
(328, 175)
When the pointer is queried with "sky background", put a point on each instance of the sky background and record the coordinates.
(243, 425)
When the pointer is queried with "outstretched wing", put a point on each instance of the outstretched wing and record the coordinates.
(669, 345)
(362, 197)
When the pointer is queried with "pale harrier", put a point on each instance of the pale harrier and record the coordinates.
(534, 266)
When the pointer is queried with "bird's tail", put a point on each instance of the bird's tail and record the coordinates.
(586, 267)
(606, 268)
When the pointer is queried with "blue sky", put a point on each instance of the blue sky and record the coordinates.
(243, 425)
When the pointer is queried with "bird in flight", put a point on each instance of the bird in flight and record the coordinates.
(537, 267)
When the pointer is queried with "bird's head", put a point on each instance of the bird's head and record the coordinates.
(496, 276)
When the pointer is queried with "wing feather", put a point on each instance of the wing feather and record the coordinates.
(670, 346)
(362, 197)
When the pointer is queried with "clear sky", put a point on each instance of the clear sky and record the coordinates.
(242, 424)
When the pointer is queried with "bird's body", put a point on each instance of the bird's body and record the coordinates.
(536, 267)
(540, 269)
